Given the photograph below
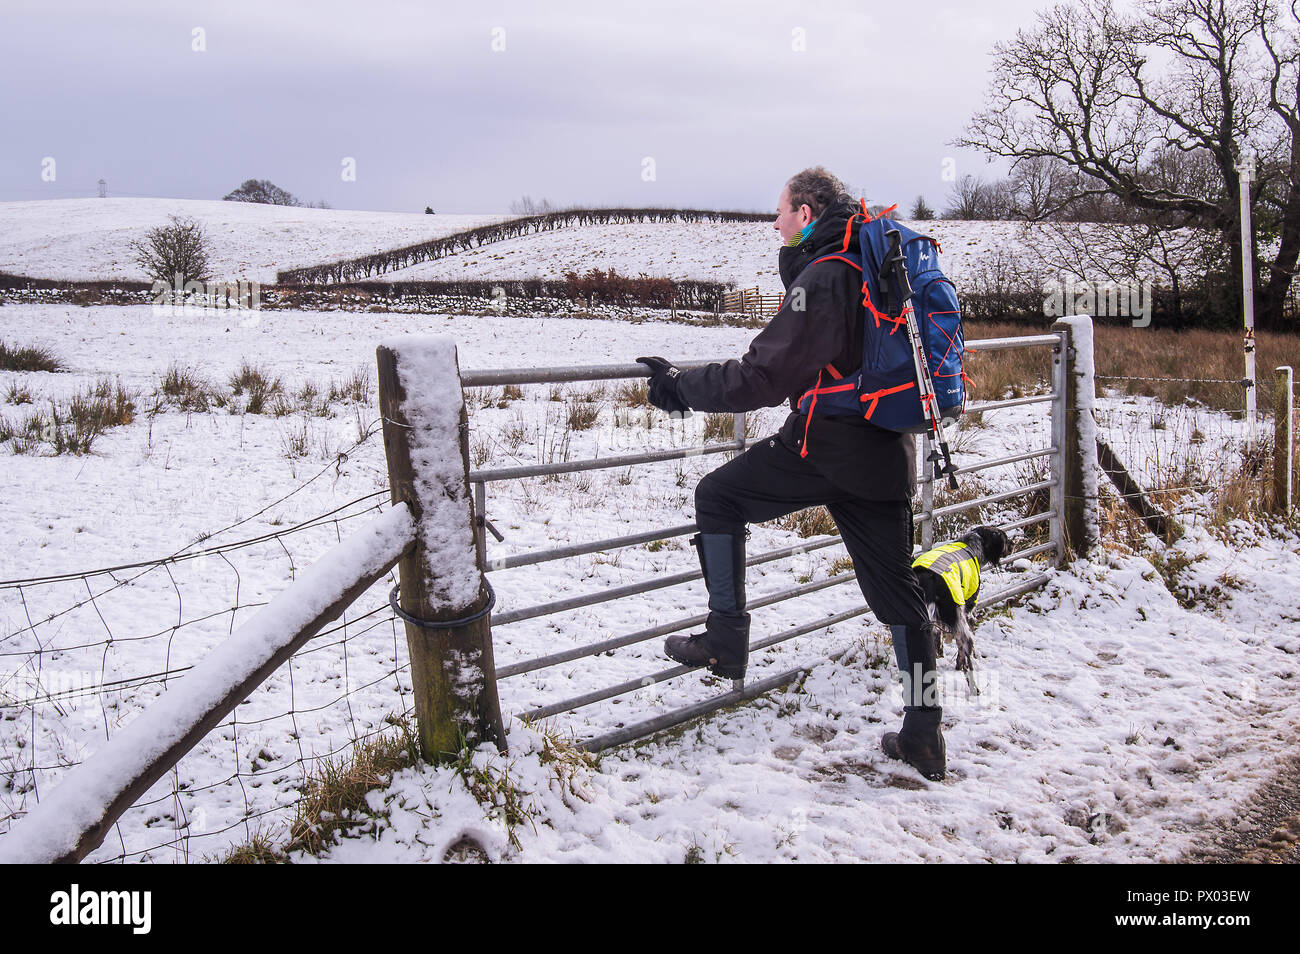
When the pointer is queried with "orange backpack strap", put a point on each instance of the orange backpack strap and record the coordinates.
(875, 396)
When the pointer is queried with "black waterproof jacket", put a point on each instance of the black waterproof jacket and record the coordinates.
(784, 359)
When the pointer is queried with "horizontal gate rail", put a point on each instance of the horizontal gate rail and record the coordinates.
(992, 498)
(1009, 402)
(582, 549)
(655, 583)
(1004, 461)
(1001, 344)
(593, 372)
(641, 635)
(749, 691)
(632, 685)
(600, 463)
(1026, 521)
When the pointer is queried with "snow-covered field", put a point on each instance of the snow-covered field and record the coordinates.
(88, 238)
(1114, 722)
(1104, 698)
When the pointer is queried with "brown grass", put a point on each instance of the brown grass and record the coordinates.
(1123, 351)
(633, 394)
(335, 799)
(581, 415)
(813, 522)
(72, 427)
(718, 428)
(1148, 352)
(260, 387)
(188, 390)
(1008, 373)
(27, 358)
(260, 849)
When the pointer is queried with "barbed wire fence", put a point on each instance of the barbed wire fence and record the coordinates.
(83, 652)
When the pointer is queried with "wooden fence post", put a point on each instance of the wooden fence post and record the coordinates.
(1077, 431)
(426, 440)
(1284, 440)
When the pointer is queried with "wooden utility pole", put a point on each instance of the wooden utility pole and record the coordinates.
(1284, 440)
(1074, 429)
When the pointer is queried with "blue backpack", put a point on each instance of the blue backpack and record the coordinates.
(883, 388)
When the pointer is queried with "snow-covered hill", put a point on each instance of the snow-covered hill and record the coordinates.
(740, 252)
(88, 238)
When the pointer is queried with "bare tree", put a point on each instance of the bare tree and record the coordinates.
(1082, 87)
(524, 205)
(262, 191)
(974, 199)
(175, 254)
(1038, 186)
(1139, 252)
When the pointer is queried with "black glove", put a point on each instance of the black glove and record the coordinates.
(663, 386)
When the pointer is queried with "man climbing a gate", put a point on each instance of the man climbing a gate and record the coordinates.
(865, 475)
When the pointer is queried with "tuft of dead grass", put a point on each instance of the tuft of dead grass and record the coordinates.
(72, 426)
(813, 522)
(257, 387)
(15, 357)
(335, 798)
(633, 394)
(187, 390)
(581, 415)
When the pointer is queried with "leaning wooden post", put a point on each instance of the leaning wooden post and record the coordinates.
(426, 440)
(1076, 429)
(1283, 440)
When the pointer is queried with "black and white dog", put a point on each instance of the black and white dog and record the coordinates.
(949, 576)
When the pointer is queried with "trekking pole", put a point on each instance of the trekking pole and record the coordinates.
(895, 266)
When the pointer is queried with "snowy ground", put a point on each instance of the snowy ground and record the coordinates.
(88, 238)
(1113, 719)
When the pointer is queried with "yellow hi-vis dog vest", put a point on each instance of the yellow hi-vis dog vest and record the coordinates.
(960, 572)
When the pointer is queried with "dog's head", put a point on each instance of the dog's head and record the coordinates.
(990, 541)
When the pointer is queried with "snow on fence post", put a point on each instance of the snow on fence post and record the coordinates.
(426, 440)
(1284, 440)
(1080, 524)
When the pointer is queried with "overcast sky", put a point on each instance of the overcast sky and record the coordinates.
(466, 107)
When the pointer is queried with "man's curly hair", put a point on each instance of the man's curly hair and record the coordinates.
(815, 188)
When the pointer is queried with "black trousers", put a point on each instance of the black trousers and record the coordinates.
(769, 480)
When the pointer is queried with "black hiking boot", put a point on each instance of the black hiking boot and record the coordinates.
(724, 644)
(919, 743)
